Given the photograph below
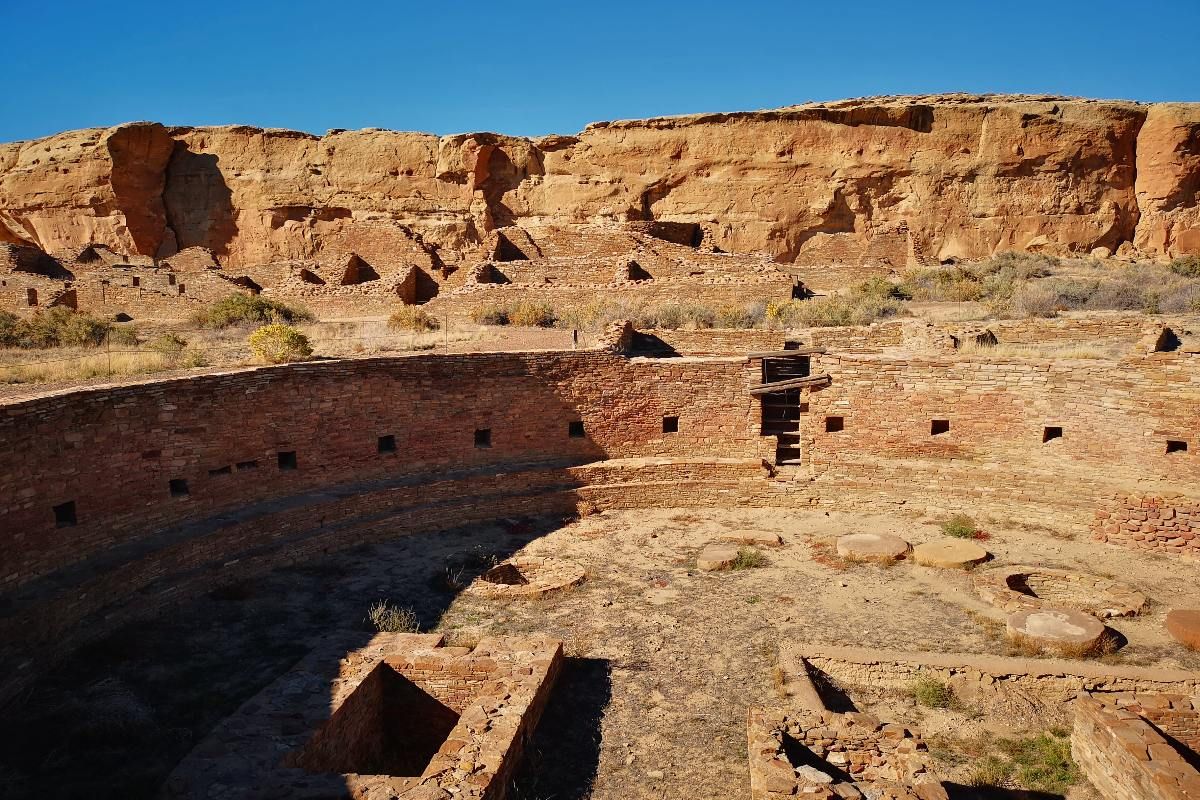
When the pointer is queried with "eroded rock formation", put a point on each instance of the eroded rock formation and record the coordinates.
(959, 176)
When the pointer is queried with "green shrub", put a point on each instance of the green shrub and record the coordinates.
(960, 526)
(56, 327)
(123, 335)
(930, 692)
(412, 318)
(169, 344)
(245, 309)
(1042, 763)
(388, 618)
(749, 558)
(990, 771)
(1188, 266)
(489, 315)
(278, 344)
(532, 315)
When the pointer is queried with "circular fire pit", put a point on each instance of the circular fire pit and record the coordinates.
(1021, 588)
(525, 577)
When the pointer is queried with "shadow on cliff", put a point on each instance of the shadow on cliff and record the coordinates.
(198, 201)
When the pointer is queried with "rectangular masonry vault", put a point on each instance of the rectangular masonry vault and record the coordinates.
(402, 717)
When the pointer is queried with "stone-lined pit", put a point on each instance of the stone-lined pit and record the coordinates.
(527, 577)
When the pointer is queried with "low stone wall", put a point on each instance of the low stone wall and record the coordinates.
(1126, 758)
(1168, 524)
(1052, 680)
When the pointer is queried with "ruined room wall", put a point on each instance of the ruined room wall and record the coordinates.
(998, 409)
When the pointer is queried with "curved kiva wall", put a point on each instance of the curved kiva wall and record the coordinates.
(283, 464)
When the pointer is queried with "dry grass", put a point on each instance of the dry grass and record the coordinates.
(73, 364)
(1049, 350)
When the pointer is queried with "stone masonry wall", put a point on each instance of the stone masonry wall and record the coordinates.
(1167, 524)
(1125, 758)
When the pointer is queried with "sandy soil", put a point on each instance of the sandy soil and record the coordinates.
(664, 659)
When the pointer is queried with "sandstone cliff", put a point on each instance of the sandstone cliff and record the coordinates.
(961, 176)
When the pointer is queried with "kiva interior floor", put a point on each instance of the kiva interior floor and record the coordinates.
(664, 659)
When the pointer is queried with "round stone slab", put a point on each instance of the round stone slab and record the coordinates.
(753, 537)
(1184, 626)
(717, 556)
(1064, 630)
(950, 553)
(872, 547)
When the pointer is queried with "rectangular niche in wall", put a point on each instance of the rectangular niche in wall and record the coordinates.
(64, 514)
(178, 487)
(1176, 446)
(386, 444)
(834, 424)
(1050, 433)
(287, 459)
(483, 437)
(225, 470)
(575, 429)
(670, 424)
(939, 426)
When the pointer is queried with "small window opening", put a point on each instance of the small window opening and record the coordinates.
(136, 281)
(483, 437)
(225, 470)
(178, 486)
(241, 465)
(1176, 446)
(386, 444)
(575, 429)
(64, 514)
(834, 424)
(670, 424)
(1051, 432)
(939, 426)
(287, 459)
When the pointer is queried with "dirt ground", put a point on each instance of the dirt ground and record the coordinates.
(664, 660)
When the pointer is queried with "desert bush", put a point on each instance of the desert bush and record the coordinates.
(747, 316)
(861, 305)
(960, 526)
(245, 309)
(388, 618)
(412, 318)
(930, 692)
(534, 315)
(278, 344)
(994, 279)
(56, 327)
(1188, 266)
(1035, 300)
(169, 344)
(749, 558)
(489, 315)
(123, 335)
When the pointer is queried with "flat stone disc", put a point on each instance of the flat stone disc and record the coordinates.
(1058, 629)
(717, 556)
(872, 547)
(754, 537)
(1184, 625)
(949, 553)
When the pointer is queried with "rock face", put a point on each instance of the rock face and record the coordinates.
(950, 175)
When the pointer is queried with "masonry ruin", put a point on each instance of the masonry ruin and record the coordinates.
(739, 540)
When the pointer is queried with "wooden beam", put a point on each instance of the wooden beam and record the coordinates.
(803, 351)
(793, 383)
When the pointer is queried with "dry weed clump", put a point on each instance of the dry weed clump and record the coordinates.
(57, 327)
(388, 618)
(412, 318)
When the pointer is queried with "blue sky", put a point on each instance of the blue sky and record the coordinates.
(536, 68)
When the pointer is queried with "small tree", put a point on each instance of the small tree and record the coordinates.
(278, 344)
